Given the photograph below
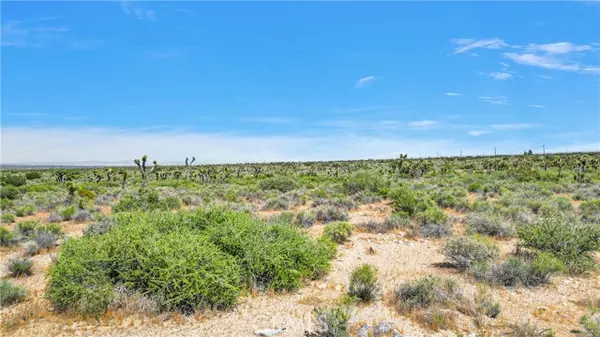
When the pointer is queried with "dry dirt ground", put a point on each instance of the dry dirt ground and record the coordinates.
(557, 306)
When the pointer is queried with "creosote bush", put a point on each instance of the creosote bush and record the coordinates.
(339, 231)
(185, 261)
(424, 292)
(468, 252)
(7, 238)
(20, 267)
(532, 273)
(571, 243)
(489, 224)
(279, 183)
(363, 283)
(328, 214)
(404, 200)
(330, 322)
(11, 293)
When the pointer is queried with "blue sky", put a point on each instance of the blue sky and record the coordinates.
(261, 81)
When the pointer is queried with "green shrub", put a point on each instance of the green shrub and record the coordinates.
(7, 218)
(590, 211)
(11, 293)
(67, 213)
(328, 214)
(6, 204)
(489, 224)
(279, 183)
(475, 187)
(9, 192)
(397, 220)
(7, 238)
(364, 181)
(573, 244)
(52, 228)
(33, 175)
(14, 180)
(404, 200)
(27, 228)
(591, 324)
(330, 322)
(86, 194)
(45, 240)
(363, 283)
(467, 252)
(277, 204)
(425, 292)
(432, 215)
(533, 273)
(339, 231)
(25, 210)
(528, 329)
(18, 267)
(305, 218)
(434, 231)
(147, 201)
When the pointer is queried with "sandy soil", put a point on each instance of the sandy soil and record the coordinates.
(397, 258)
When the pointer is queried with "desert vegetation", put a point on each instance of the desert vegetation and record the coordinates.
(465, 246)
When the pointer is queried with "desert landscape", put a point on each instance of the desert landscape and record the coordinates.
(426, 247)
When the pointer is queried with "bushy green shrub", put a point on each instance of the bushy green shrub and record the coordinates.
(7, 218)
(425, 292)
(52, 228)
(14, 180)
(339, 231)
(6, 203)
(147, 201)
(475, 187)
(363, 283)
(279, 183)
(432, 215)
(27, 228)
(571, 243)
(467, 252)
(276, 204)
(305, 218)
(515, 271)
(25, 210)
(330, 322)
(7, 238)
(489, 224)
(397, 220)
(364, 181)
(67, 213)
(18, 267)
(185, 260)
(404, 200)
(11, 293)
(590, 211)
(33, 175)
(9, 192)
(434, 231)
(591, 324)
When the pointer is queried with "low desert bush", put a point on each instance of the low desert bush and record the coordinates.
(277, 204)
(424, 292)
(434, 231)
(532, 273)
(9, 192)
(432, 215)
(33, 175)
(404, 200)
(67, 213)
(305, 219)
(590, 211)
(27, 228)
(328, 214)
(54, 217)
(279, 183)
(330, 322)
(572, 243)
(45, 239)
(7, 218)
(468, 252)
(489, 224)
(7, 238)
(339, 231)
(147, 201)
(591, 324)
(25, 210)
(364, 181)
(185, 261)
(82, 215)
(11, 293)
(14, 180)
(363, 283)
(19, 267)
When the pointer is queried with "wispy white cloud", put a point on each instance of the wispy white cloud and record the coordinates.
(476, 133)
(30, 33)
(87, 44)
(138, 12)
(452, 94)
(464, 45)
(338, 109)
(558, 48)
(516, 126)
(545, 77)
(500, 75)
(496, 100)
(542, 61)
(539, 106)
(177, 9)
(424, 124)
(364, 81)
(591, 70)
(163, 54)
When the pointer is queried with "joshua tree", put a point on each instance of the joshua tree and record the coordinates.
(397, 163)
(109, 173)
(124, 179)
(144, 170)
